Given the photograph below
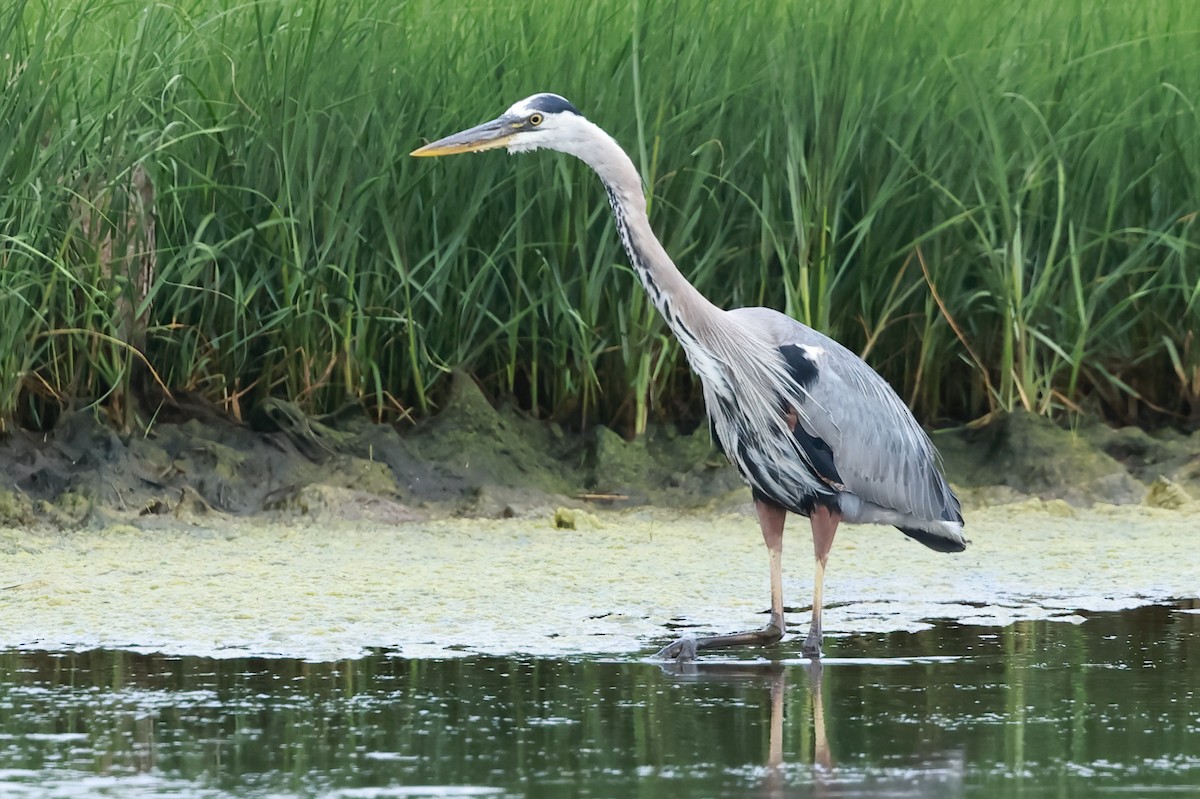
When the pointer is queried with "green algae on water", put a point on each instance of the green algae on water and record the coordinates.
(455, 586)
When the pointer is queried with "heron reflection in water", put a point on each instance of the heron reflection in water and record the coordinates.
(774, 674)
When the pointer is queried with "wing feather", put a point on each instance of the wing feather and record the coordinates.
(879, 451)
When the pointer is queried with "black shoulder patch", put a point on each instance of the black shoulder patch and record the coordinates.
(803, 368)
(553, 104)
(819, 454)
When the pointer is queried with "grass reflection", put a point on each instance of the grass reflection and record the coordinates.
(1108, 702)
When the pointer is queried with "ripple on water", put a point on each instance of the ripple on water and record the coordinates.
(893, 715)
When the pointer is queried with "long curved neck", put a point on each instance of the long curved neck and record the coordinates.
(745, 379)
(687, 312)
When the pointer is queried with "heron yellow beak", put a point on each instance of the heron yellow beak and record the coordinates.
(487, 136)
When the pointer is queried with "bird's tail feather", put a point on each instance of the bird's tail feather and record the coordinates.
(936, 542)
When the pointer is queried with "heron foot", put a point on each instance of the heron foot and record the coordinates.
(685, 648)
(811, 648)
(682, 650)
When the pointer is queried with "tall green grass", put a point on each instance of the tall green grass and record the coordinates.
(998, 206)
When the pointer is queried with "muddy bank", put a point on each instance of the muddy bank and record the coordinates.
(474, 460)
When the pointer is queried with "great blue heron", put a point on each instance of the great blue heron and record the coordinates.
(808, 425)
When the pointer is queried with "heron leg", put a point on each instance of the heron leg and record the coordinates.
(824, 527)
(770, 518)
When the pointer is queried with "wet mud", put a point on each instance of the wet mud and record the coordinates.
(196, 466)
(470, 460)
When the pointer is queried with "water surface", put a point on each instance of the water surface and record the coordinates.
(506, 658)
(1105, 704)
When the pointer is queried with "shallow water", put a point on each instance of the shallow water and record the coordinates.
(506, 658)
(1037, 708)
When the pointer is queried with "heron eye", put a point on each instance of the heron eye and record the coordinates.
(536, 119)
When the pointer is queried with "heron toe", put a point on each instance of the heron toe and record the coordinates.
(681, 651)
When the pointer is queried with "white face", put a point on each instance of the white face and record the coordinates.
(549, 121)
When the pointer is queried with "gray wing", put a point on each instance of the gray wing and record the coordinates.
(879, 451)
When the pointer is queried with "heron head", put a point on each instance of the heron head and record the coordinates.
(543, 120)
